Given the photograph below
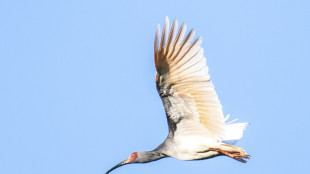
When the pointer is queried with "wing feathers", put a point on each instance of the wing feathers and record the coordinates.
(156, 45)
(164, 35)
(180, 35)
(182, 51)
(171, 35)
(183, 81)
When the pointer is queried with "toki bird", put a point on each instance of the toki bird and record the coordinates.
(197, 126)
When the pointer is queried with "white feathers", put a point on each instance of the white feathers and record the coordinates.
(234, 132)
(184, 85)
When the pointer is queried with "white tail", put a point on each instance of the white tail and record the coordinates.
(233, 131)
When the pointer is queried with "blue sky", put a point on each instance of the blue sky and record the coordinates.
(77, 91)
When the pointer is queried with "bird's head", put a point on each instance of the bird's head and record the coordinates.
(139, 157)
(131, 159)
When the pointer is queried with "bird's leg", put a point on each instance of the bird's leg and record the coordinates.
(233, 154)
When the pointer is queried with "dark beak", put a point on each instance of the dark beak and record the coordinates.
(117, 166)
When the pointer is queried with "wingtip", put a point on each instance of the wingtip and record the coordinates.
(184, 26)
(192, 33)
(167, 22)
(166, 19)
(164, 35)
(175, 21)
(157, 30)
(199, 39)
(175, 24)
(156, 43)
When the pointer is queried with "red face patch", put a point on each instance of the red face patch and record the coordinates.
(133, 157)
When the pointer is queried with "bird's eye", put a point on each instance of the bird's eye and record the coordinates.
(134, 154)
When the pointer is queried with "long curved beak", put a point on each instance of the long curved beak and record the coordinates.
(118, 165)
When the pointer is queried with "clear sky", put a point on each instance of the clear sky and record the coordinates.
(77, 89)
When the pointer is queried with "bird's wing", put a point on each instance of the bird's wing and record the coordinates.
(183, 82)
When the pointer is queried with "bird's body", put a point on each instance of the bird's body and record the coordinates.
(187, 148)
(197, 127)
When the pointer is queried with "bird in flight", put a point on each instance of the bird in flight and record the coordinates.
(197, 126)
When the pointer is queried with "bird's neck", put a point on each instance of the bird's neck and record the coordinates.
(157, 154)
(149, 156)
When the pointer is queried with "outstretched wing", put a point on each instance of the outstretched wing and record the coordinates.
(183, 82)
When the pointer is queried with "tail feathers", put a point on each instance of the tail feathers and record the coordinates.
(234, 132)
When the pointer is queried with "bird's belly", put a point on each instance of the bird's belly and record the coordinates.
(196, 156)
(190, 147)
(187, 153)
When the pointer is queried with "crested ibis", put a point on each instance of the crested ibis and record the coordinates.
(197, 126)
